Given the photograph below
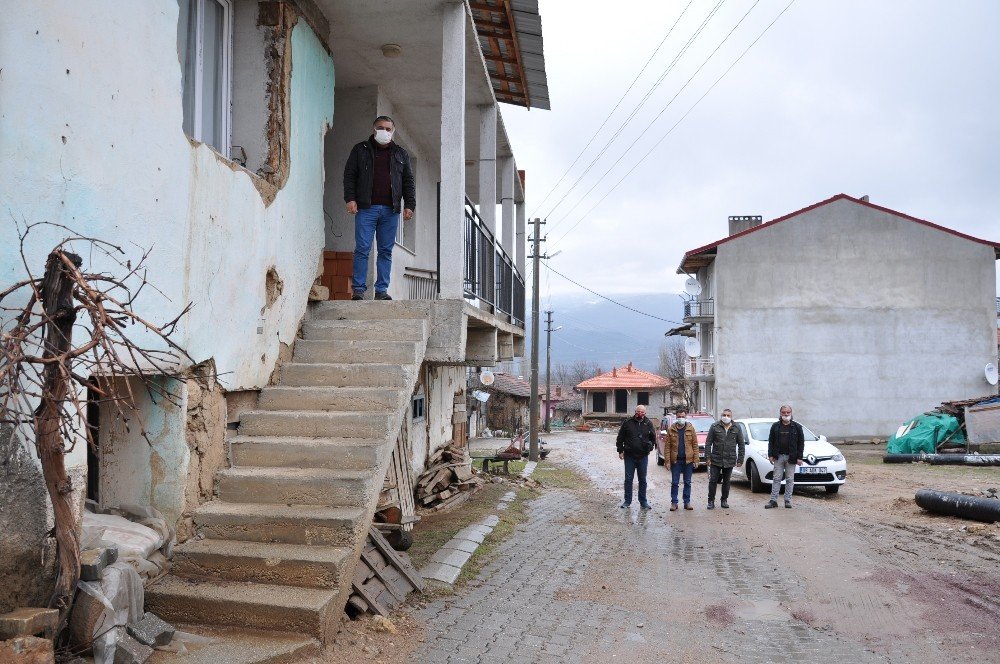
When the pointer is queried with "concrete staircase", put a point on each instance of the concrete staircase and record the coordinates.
(282, 538)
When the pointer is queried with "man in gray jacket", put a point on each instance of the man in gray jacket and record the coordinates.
(724, 449)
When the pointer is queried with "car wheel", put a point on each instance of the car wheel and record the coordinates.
(832, 488)
(756, 486)
(660, 461)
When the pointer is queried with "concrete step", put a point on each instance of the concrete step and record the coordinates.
(278, 564)
(345, 374)
(329, 398)
(316, 423)
(371, 310)
(332, 453)
(357, 352)
(295, 486)
(233, 645)
(249, 605)
(412, 329)
(291, 524)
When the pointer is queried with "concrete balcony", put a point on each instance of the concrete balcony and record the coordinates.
(699, 368)
(699, 311)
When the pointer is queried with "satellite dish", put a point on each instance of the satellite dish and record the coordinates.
(991, 373)
(481, 396)
(486, 377)
(692, 347)
(692, 287)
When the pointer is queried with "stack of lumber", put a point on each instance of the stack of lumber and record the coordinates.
(448, 479)
(382, 579)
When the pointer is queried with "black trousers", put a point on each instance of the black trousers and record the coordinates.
(714, 473)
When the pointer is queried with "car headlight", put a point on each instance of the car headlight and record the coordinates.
(838, 457)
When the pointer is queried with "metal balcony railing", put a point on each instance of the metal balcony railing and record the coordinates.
(422, 285)
(699, 367)
(699, 308)
(490, 275)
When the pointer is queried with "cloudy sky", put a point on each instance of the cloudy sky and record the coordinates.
(894, 99)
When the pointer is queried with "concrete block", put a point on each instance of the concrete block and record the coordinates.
(319, 293)
(151, 631)
(491, 521)
(93, 562)
(130, 651)
(26, 650)
(461, 545)
(440, 572)
(452, 557)
(471, 535)
(28, 622)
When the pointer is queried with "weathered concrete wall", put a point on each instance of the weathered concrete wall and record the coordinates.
(857, 317)
(442, 383)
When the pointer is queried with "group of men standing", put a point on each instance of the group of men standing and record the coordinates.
(725, 449)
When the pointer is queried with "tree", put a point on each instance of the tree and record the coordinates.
(672, 360)
(575, 373)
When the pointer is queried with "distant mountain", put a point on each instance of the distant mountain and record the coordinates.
(596, 330)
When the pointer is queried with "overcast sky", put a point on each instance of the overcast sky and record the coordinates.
(894, 99)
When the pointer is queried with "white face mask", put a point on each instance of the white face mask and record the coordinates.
(383, 136)
(726, 420)
(681, 421)
(786, 418)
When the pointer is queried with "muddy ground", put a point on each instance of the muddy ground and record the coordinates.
(863, 574)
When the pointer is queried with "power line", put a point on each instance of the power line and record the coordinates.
(670, 131)
(605, 297)
(662, 111)
(641, 103)
(617, 104)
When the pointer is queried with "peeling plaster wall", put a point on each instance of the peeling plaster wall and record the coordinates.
(442, 383)
(95, 142)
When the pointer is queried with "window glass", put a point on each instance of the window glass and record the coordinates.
(702, 424)
(642, 399)
(761, 430)
(213, 79)
(187, 37)
(204, 35)
(600, 402)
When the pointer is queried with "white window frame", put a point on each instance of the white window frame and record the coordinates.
(227, 74)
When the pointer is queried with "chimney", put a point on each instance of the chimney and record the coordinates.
(558, 391)
(614, 372)
(630, 367)
(740, 223)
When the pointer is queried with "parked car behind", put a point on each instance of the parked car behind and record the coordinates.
(823, 465)
(702, 423)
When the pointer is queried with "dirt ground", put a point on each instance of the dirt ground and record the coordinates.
(863, 574)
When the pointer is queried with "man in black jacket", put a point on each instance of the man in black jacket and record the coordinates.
(378, 182)
(724, 449)
(636, 439)
(785, 445)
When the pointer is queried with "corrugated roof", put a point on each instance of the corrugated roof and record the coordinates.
(512, 385)
(510, 35)
(627, 377)
(702, 256)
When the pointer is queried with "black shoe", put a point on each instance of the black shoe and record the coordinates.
(624, 506)
(382, 296)
(646, 506)
(770, 504)
(788, 506)
(358, 295)
(711, 504)
(724, 505)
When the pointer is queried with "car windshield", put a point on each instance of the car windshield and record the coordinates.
(702, 424)
(760, 431)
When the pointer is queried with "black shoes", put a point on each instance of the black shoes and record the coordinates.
(788, 506)
(358, 295)
(770, 505)
(724, 505)
(711, 504)
(382, 296)
(646, 506)
(624, 506)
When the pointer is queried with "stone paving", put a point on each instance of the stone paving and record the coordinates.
(581, 581)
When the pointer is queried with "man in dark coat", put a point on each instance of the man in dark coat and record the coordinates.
(724, 448)
(636, 439)
(378, 183)
(785, 445)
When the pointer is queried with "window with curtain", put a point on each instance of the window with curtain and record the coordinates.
(206, 34)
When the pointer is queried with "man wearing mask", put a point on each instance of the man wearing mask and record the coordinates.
(682, 444)
(636, 439)
(785, 445)
(378, 182)
(724, 448)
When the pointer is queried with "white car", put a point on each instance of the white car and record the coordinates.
(823, 464)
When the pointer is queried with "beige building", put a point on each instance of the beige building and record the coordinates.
(615, 394)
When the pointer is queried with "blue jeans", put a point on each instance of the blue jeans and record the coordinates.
(635, 466)
(378, 222)
(676, 468)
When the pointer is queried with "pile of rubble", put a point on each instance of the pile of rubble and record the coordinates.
(448, 479)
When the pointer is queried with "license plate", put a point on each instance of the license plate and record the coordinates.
(813, 470)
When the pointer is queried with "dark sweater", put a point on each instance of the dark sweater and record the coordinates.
(381, 181)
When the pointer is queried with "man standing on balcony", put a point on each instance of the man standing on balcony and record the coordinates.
(378, 182)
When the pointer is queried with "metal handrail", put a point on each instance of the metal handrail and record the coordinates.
(699, 308)
(699, 366)
(490, 274)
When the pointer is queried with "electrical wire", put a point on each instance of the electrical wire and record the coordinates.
(663, 110)
(605, 297)
(641, 103)
(670, 131)
(617, 105)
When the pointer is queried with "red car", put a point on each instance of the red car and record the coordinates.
(701, 421)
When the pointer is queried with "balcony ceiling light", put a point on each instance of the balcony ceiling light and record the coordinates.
(392, 50)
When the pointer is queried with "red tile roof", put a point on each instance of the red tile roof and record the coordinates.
(627, 377)
(507, 384)
(684, 269)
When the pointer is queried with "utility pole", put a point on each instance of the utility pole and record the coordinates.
(536, 257)
(548, 370)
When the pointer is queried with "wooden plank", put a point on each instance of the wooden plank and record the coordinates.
(370, 600)
(360, 605)
(390, 554)
(399, 594)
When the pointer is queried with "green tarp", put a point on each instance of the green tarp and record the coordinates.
(924, 433)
